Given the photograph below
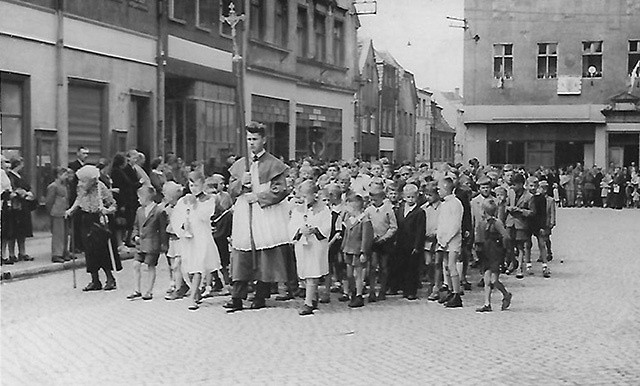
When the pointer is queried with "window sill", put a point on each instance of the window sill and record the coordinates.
(203, 29)
(138, 5)
(322, 64)
(177, 21)
(270, 46)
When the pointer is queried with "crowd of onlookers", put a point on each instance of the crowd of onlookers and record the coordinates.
(104, 200)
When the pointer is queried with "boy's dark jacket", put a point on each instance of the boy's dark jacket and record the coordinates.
(411, 232)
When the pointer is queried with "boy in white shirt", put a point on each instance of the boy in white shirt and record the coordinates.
(449, 236)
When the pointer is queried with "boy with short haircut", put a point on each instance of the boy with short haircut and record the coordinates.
(410, 241)
(433, 258)
(385, 225)
(477, 214)
(538, 225)
(356, 247)
(149, 233)
(449, 237)
(519, 209)
(334, 199)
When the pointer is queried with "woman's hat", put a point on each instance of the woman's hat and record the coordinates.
(88, 172)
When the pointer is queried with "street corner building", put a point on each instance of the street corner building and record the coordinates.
(547, 85)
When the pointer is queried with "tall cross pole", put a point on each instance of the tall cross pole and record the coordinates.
(238, 63)
(238, 66)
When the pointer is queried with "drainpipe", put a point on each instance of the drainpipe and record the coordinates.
(61, 100)
(161, 54)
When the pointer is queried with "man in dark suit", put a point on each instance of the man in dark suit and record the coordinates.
(410, 241)
(81, 158)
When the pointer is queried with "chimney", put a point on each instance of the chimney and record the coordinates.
(457, 90)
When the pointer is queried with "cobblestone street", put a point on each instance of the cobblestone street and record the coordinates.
(582, 326)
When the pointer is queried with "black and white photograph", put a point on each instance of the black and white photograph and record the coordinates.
(314, 192)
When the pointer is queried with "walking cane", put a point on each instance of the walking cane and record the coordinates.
(71, 223)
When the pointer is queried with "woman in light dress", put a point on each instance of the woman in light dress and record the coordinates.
(191, 221)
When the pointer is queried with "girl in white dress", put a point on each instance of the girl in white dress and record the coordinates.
(191, 221)
(310, 227)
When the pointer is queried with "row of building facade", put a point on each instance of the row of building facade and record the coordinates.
(159, 76)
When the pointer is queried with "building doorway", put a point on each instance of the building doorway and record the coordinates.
(140, 126)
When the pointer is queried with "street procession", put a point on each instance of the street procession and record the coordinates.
(183, 176)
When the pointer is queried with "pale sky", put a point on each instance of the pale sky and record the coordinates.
(435, 53)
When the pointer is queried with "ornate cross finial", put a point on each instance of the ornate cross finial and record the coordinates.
(233, 19)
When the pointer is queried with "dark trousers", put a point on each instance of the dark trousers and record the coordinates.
(241, 289)
(589, 197)
(409, 269)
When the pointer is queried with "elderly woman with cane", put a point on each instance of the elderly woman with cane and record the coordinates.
(94, 203)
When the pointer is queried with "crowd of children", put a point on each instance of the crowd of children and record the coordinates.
(364, 234)
(359, 229)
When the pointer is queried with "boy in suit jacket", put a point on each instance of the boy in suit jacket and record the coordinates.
(519, 209)
(410, 241)
(356, 247)
(150, 236)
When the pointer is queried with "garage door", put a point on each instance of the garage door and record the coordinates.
(85, 121)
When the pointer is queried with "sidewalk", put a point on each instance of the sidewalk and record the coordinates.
(39, 247)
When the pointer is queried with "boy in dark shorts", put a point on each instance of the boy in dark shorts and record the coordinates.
(150, 236)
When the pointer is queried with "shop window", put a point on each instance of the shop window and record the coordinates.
(338, 43)
(547, 60)
(178, 10)
(281, 23)
(592, 59)
(319, 27)
(257, 21)
(506, 152)
(634, 57)
(503, 61)
(11, 115)
(302, 31)
(206, 13)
